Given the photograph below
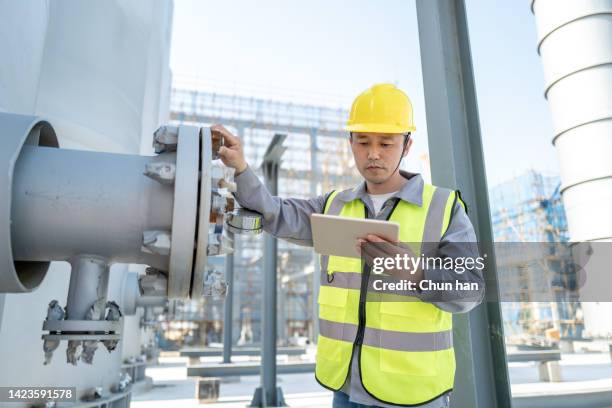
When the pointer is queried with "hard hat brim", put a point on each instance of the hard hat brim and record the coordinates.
(378, 128)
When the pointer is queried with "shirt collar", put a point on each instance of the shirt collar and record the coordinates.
(411, 192)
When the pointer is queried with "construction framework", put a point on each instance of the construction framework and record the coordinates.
(316, 160)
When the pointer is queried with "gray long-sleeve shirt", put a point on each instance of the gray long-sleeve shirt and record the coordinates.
(289, 219)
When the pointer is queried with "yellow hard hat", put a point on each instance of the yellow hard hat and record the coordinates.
(383, 108)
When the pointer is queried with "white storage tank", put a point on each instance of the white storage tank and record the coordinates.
(99, 72)
(575, 44)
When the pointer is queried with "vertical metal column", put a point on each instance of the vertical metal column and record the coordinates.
(228, 311)
(229, 304)
(314, 172)
(2, 298)
(268, 394)
(283, 291)
(457, 162)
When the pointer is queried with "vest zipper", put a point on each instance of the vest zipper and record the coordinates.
(365, 277)
(364, 288)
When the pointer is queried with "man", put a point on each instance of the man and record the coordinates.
(372, 351)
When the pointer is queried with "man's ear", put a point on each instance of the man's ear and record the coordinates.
(407, 149)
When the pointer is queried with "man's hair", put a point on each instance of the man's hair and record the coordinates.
(406, 138)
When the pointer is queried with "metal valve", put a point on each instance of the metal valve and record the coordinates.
(242, 221)
(215, 284)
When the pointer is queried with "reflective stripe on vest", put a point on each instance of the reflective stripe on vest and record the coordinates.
(406, 355)
(400, 341)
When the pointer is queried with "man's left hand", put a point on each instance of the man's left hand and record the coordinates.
(374, 246)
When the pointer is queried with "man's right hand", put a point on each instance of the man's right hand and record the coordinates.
(230, 153)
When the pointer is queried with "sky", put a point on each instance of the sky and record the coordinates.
(333, 50)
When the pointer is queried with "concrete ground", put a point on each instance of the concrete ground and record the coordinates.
(172, 388)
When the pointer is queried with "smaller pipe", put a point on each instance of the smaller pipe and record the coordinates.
(88, 288)
(151, 301)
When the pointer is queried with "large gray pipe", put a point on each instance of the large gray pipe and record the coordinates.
(68, 202)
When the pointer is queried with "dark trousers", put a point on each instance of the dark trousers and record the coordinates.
(341, 400)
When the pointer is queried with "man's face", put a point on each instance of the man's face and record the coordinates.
(377, 154)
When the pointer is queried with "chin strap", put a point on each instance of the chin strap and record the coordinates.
(406, 139)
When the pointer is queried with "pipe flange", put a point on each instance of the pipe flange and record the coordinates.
(17, 131)
(184, 215)
(82, 336)
(67, 326)
(204, 213)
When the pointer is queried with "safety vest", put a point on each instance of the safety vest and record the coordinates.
(406, 355)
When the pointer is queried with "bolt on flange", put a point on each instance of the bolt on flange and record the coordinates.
(165, 139)
(156, 242)
(161, 171)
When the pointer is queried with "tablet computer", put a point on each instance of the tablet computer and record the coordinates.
(335, 235)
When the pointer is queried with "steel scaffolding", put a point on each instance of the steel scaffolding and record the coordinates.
(317, 160)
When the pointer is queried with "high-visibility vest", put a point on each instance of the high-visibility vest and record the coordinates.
(406, 355)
